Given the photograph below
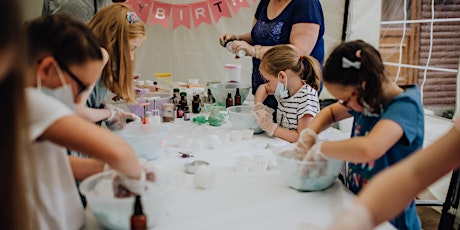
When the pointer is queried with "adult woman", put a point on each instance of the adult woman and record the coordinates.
(67, 60)
(388, 120)
(14, 212)
(120, 32)
(296, 22)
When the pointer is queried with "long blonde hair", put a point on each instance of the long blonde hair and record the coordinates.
(114, 31)
(15, 160)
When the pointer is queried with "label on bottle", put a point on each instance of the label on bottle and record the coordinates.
(186, 116)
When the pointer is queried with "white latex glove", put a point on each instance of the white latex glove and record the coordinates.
(122, 182)
(118, 117)
(242, 45)
(307, 139)
(264, 119)
(353, 217)
(315, 154)
(148, 169)
(260, 105)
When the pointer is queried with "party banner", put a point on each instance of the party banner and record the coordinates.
(181, 15)
(141, 7)
(184, 14)
(160, 13)
(200, 13)
(219, 9)
(237, 4)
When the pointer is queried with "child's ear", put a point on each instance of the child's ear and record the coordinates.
(46, 67)
(283, 75)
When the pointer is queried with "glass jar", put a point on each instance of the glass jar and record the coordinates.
(168, 112)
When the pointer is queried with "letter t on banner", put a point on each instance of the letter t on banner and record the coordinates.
(160, 13)
(237, 4)
(141, 7)
(181, 15)
(219, 9)
(200, 13)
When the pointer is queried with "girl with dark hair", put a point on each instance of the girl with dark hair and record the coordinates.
(388, 120)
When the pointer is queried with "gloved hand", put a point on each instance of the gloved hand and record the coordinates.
(118, 117)
(148, 169)
(356, 217)
(307, 139)
(242, 45)
(315, 154)
(264, 119)
(260, 105)
(124, 186)
(226, 37)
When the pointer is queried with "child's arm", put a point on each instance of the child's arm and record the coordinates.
(78, 134)
(410, 176)
(293, 135)
(261, 93)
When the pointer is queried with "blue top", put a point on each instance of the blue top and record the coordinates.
(268, 32)
(406, 110)
(96, 98)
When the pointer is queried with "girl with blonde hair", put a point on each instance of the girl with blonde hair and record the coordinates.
(294, 81)
(120, 31)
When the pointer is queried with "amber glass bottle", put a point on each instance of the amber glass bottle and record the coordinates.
(138, 219)
(237, 97)
(229, 100)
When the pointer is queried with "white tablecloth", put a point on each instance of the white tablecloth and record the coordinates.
(238, 200)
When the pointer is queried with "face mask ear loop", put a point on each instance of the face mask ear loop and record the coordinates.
(60, 75)
(39, 81)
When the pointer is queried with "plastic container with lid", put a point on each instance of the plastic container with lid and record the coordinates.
(165, 81)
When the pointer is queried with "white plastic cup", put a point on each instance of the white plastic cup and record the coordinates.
(232, 73)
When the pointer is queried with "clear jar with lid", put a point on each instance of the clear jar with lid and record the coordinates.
(168, 112)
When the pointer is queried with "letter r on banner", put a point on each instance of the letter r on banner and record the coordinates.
(200, 13)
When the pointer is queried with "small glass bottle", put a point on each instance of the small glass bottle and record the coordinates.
(229, 100)
(196, 104)
(237, 97)
(155, 118)
(211, 98)
(183, 100)
(168, 112)
(155, 86)
(186, 113)
(179, 111)
(176, 97)
(138, 219)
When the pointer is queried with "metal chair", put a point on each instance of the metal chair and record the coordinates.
(450, 204)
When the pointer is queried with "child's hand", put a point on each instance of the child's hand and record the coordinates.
(315, 154)
(307, 139)
(118, 117)
(125, 186)
(355, 217)
(264, 119)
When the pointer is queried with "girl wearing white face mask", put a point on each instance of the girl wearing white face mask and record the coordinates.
(286, 73)
(67, 60)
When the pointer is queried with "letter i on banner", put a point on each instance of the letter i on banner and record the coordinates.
(219, 9)
(200, 13)
(237, 4)
(142, 8)
(160, 13)
(181, 15)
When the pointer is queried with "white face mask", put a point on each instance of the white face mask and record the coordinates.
(281, 90)
(62, 93)
(368, 110)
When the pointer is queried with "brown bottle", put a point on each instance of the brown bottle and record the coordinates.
(138, 219)
(229, 100)
(237, 97)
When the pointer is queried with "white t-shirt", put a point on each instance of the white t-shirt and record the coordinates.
(291, 109)
(60, 206)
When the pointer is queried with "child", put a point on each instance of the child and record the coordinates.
(120, 32)
(286, 76)
(388, 120)
(67, 61)
(376, 203)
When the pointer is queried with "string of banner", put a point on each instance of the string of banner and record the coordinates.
(183, 14)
